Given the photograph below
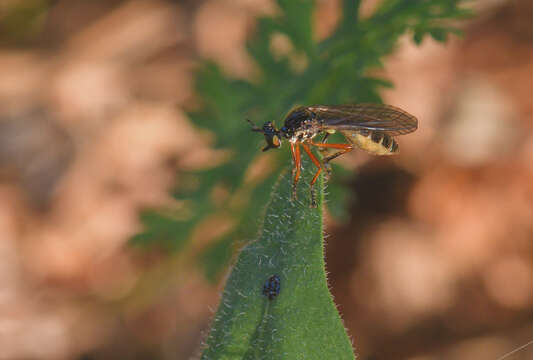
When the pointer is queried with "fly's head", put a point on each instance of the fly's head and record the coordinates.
(272, 135)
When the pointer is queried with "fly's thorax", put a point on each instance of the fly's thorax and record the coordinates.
(295, 118)
(300, 125)
(307, 130)
(374, 142)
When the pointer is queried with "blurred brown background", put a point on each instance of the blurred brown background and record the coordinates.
(436, 261)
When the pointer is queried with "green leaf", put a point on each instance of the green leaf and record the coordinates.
(418, 36)
(439, 34)
(297, 22)
(302, 321)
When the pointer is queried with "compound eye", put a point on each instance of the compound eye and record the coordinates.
(275, 141)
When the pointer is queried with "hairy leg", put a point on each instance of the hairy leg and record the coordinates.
(343, 149)
(319, 166)
(295, 151)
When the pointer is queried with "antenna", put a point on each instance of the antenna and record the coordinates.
(254, 127)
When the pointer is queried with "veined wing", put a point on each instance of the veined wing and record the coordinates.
(375, 117)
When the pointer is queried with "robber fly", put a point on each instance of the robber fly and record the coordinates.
(370, 127)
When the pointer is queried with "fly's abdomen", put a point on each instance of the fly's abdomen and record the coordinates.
(373, 142)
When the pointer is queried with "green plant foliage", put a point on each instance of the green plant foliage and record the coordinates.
(302, 321)
(333, 71)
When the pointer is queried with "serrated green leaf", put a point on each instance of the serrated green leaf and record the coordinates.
(297, 23)
(302, 321)
(418, 36)
(164, 229)
(439, 34)
(216, 257)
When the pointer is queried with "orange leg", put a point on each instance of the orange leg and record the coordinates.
(319, 166)
(344, 148)
(315, 161)
(295, 151)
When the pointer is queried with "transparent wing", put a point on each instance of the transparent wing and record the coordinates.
(376, 117)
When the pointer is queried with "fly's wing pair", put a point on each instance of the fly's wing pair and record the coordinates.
(371, 117)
